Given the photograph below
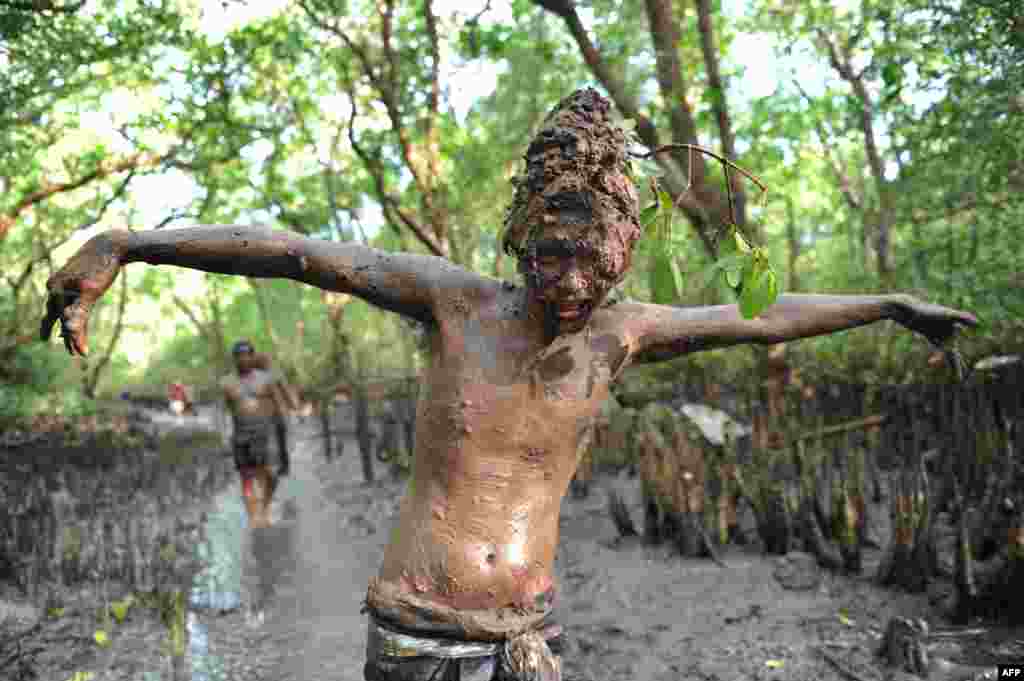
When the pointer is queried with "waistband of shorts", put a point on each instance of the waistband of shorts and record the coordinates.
(420, 623)
(396, 643)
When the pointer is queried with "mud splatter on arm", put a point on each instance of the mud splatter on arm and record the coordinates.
(409, 284)
(665, 332)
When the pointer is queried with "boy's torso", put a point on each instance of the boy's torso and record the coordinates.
(250, 397)
(499, 417)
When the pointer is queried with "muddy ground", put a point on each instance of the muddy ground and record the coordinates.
(631, 611)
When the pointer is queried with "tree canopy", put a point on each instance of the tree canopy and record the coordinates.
(889, 135)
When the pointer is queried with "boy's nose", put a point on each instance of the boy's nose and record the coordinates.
(572, 281)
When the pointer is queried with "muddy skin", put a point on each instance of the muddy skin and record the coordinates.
(253, 399)
(514, 382)
(515, 375)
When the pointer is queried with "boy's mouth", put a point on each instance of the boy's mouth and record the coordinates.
(572, 311)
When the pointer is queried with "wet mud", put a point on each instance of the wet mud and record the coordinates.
(629, 610)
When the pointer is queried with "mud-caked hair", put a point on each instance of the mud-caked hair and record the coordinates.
(575, 174)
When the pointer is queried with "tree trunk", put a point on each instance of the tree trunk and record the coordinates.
(95, 373)
(846, 530)
(777, 531)
(903, 646)
(620, 515)
(814, 539)
(363, 433)
(323, 408)
(909, 562)
(653, 531)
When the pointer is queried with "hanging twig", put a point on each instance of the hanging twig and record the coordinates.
(726, 166)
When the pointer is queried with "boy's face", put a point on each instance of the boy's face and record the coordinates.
(571, 271)
(245, 361)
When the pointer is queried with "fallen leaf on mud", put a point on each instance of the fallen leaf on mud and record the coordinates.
(773, 664)
(82, 676)
(102, 639)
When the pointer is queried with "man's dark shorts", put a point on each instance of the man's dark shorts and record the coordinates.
(447, 660)
(253, 446)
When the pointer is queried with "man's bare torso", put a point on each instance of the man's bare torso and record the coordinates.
(499, 418)
(250, 398)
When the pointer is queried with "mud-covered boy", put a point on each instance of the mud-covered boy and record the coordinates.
(514, 376)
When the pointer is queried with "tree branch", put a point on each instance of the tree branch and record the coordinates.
(842, 179)
(388, 202)
(43, 6)
(841, 61)
(718, 103)
(50, 189)
(665, 36)
(387, 86)
(201, 328)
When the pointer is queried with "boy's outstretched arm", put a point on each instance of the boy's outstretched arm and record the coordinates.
(401, 282)
(661, 332)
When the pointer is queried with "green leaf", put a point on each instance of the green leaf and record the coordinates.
(771, 291)
(727, 246)
(892, 74)
(745, 272)
(666, 213)
(677, 278)
(648, 168)
(647, 216)
(747, 302)
(82, 676)
(663, 279)
(664, 200)
(760, 287)
(722, 265)
(120, 609)
(733, 275)
(741, 243)
(102, 638)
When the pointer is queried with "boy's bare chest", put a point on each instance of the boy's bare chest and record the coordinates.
(571, 368)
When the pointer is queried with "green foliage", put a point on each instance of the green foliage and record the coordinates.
(36, 381)
(744, 269)
(259, 123)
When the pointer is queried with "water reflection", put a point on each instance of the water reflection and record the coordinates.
(243, 567)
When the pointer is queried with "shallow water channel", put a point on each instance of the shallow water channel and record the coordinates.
(147, 545)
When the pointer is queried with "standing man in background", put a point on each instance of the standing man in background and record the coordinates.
(257, 401)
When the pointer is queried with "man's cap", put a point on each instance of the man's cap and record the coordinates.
(242, 347)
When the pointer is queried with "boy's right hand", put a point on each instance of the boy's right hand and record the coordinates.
(75, 288)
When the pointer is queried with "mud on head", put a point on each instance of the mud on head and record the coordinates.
(576, 191)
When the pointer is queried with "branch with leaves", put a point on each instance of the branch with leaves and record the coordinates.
(745, 269)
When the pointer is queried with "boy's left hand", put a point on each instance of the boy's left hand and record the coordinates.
(935, 322)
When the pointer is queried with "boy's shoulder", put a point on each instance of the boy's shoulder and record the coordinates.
(615, 312)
